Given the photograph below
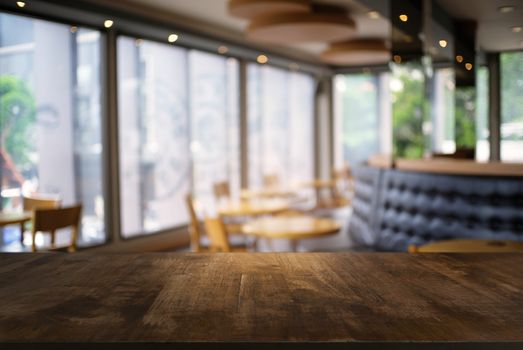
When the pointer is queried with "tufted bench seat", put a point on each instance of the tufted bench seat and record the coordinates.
(394, 209)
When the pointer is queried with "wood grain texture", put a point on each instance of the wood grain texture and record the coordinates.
(336, 298)
(460, 167)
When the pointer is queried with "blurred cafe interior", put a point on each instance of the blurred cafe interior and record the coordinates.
(287, 127)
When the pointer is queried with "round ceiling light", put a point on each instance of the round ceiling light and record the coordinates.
(289, 28)
(252, 8)
(357, 52)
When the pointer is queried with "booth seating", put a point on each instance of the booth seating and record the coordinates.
(394, 209)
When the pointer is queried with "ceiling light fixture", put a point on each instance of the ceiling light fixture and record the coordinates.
(73, 29)
(516, 29)
(506, 9)
(222, 50)
(289, 28)
(443, 43)
(249, 9)
(373, 14)
(459, 58)
(172, 38)
(108, 23)
(262, 59)
(468, 66)
(397, 58)
(20, 4)
(357, 52)
(403, 17)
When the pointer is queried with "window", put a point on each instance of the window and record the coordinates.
(512, 106)
(280, 122)
(356, 101)
(215, 133)
(408, 103)
(179, 130)
(154, 134)
(443, 111)
(50, 119)
(482, 127)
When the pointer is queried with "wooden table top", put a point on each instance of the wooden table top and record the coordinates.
(291, 227)
(12, 218)
(253, 208)
(472, 246)
(244, 297)
(268, 192)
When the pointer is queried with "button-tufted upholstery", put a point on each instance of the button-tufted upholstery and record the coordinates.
(364, 204)
(415, 208)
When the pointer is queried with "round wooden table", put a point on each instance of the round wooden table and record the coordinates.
(252, 208)
(319, 183)
(470, 246)
(15, 218)
(267, 193)
(293, 228)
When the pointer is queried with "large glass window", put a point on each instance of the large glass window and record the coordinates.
(356, 102)
(179, 131)
(154, 134)
(280, 122)
(50, 120)
(482, 131)
(512, 106)
(215, 134)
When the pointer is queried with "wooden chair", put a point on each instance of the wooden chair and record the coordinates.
(217, 233)
(30, 203)
(468, 246)
(222, 190)
(195, 232)
(50, 220)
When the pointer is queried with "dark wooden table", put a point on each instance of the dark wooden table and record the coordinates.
(238, 301)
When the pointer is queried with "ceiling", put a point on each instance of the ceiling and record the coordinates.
(494, 32)
(212, 17)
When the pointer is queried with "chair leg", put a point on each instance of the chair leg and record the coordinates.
(22, 228)
(33, 246)
(52, 238)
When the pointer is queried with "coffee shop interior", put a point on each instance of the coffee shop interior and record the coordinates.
(337, 125)
(320, 133)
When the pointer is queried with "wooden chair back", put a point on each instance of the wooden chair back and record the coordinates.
(194, 225)
(217, 234)
(30, 203)
(271, 180)
(50, 220)
(222, 190)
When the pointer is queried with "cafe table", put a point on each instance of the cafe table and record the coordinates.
(15, 218)
(260, 301)
(252, 207)
(268, 192)
(293, 228)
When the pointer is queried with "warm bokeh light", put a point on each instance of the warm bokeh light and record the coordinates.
(404, 18)
(223, 49)
(108, 23)
(468, 66)
(172, 38)
(74, 29)
(459, 58)
(516, 29)
(397, 58)
(262, 59)
(373, 14)
(443, 43)
(20, 4)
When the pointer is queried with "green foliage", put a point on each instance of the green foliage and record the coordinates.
(465, 114)
(407, 119)
(512, 87)
(17, 114)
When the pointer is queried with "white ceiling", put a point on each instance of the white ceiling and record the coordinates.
(494, 32)
(212, 16)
